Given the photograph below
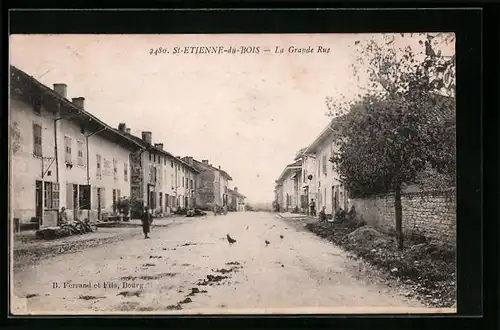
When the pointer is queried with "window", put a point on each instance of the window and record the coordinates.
(159, 159)
(84, 197)
(51, 190)
(37, 107)
(67, 149)
(172, 180)
(324, 164)
(99, 169)
(172, 164)
(182, 181)
(115, 169)
(37, 140)
(152, 200)
(154, 158)
(167, 200)
(191, 184)
(125, 171)
(80, 153)
(116, 199)
(149, 156)
(165, 161)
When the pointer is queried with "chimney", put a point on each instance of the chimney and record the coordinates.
(159, 145)
(79, 102)
(205, 161)
(219, 167)
(235, 189)
(61, 89)
(127, 130)
(122, 127)
(147, 137)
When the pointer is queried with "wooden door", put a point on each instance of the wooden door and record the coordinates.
(38, 199)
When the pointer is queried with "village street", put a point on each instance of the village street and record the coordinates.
(169, 272)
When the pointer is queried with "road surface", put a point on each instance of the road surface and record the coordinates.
(192, 268)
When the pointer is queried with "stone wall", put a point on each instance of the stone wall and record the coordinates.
(430, 213)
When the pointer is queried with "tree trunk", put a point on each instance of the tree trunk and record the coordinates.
(399, 217)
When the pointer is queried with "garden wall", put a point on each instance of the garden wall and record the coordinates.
(431, 213)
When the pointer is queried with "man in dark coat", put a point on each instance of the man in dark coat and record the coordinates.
(312, 206)
(146, 222)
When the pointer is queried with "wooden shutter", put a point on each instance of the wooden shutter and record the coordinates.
(103, 198)
(93, 197)
(55, 195)
(69, 196)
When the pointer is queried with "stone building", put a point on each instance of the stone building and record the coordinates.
(160, 180)
(236, 200)
(212, 183)
(62, 156)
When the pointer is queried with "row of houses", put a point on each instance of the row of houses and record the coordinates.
(63, 156)
(312, 176)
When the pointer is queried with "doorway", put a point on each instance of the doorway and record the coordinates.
(99, 192)
(38, 199)
(75, 201)
(160, 202)
(336, 201)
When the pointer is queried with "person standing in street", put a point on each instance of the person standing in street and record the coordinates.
(312, 206)
(63, 217)
(146, 222)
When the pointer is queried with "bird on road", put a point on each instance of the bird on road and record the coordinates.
(281, 236)
(230, 239)
(267, 242)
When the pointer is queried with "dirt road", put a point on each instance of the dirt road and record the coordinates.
(192, 268)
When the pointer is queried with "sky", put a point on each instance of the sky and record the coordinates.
(248, 113)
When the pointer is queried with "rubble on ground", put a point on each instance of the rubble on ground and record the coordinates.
(427, 269)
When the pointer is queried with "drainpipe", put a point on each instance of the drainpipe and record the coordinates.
(56, 155)
(88, 164)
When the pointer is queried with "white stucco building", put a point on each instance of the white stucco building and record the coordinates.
(330, 192)
(61, 155)
(288, 187)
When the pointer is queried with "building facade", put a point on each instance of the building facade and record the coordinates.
(212, 184)
(307, 181)
(330, 191)
(62, 156)
(288, 187)
(160, 181)
(237, 201)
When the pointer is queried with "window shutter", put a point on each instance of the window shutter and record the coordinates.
(103, 198)
(94, 197)
(69, 196)
(55, 195)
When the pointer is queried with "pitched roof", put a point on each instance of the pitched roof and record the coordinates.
(236, 193)
(300, 153)
(297, 165)
(202, 167)
(28, 87)
(161, 151)
(442, 110)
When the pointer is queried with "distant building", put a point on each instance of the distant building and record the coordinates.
(307, 182)
(236, 200)
(159, 180)
(287, 187)
(212, 183)
(62, 156)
